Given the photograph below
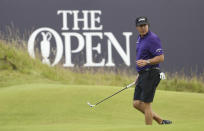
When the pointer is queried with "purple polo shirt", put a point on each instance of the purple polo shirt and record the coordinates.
(148, 47)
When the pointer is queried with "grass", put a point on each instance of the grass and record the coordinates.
(30, 69)
(34, 96)
(54, 107)
(182, 83)
(17, 67)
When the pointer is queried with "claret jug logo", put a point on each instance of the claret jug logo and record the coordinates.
(90, 21)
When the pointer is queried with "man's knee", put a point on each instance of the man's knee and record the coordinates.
(137, 104)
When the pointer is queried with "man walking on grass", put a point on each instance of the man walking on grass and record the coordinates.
(149, 54)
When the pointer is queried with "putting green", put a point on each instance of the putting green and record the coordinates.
(57, 107)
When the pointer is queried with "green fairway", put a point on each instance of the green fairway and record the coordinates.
(58, 107)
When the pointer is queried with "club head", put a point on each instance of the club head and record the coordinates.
(90, 104)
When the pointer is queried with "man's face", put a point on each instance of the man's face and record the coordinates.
(142, 29)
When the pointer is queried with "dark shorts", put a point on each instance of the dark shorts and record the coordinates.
(146, 85)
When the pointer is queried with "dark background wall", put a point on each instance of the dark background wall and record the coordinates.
(178, 23)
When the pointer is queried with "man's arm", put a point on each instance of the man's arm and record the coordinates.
(153, 61)
(156, 60)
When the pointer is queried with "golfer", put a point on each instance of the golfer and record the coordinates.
(149, 54)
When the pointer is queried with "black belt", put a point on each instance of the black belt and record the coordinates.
(148, 69)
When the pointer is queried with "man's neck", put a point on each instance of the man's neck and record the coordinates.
(141, 35)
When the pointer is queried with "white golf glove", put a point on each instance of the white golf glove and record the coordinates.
(162, 76)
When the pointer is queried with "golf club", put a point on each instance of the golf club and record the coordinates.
(133, 83)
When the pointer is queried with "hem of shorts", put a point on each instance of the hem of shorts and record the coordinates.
(144, 101)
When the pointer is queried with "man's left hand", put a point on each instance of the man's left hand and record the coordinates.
(141, 63)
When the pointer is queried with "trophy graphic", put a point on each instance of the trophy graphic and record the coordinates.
(45, 47)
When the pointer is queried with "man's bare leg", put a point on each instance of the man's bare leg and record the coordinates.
(140, 106)
(148, 113)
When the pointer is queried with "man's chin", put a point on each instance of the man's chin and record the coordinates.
(144, 33)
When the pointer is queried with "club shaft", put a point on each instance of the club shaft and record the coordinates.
(115, 93)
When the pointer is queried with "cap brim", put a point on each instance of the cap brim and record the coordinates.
(142, 23)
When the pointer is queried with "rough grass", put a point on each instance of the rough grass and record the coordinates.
(17, 67)
(28, 69)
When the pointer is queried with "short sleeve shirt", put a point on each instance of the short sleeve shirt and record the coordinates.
(148, 47)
